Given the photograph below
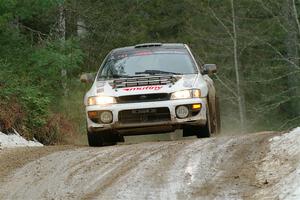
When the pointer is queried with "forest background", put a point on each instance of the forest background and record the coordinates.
(45, 45)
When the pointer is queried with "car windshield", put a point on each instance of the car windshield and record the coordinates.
(147, 62)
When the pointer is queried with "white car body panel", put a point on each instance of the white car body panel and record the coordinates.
(184, 82)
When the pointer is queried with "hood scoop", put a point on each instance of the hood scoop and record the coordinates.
(143, 81)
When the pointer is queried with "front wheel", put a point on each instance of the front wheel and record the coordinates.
(203, 131)
(218, 117)
(103, 138)
(213, 116)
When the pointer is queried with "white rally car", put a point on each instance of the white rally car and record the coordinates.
(151, 88)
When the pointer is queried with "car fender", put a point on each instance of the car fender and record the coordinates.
(211, 99)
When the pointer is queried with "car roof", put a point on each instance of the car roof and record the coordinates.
(150, 46)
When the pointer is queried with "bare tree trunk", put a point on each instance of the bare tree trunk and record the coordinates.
(240, 96)
(62, 22)
(71, 18)
(296, 15)
(291, 42)
(239, 93)
(62, 35)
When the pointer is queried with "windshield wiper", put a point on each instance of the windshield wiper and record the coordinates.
(155, 72)
(119, 76)
(115, 76)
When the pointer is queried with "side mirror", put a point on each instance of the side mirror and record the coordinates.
(87, 77)
(209, 69)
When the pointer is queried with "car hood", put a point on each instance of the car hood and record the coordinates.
(178, 82)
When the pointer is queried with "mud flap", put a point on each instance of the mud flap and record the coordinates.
(103, 138)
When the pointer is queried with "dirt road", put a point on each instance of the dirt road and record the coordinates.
(254, 166)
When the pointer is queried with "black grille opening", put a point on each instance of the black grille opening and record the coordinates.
(143, 98)
(144, 115)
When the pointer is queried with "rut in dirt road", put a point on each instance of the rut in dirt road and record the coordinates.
(254, 166)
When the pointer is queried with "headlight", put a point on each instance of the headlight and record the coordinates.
(101, 100)
(186, 94)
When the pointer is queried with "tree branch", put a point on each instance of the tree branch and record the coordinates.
(296, 15)
(226, 86)
(220, 21)
(33, 30)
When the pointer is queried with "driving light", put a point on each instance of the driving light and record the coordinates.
(186, 94)
(106, 117)
(182, 112)
(101, 100)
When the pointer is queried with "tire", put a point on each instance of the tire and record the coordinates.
(94, 140)
(103, 138)
(204, 131)
(200, 131)
(214, 116)
(218, 117)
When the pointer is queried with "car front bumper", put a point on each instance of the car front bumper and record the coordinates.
(152, 126)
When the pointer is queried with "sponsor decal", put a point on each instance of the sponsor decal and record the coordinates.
(143, 53)
(152, 87)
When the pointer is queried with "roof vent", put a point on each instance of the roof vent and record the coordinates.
(148, 45)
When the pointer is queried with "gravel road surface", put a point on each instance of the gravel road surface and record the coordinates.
(254, 166)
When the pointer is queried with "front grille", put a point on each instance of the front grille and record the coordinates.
(144, 115)
(143, 81)
(143, 98)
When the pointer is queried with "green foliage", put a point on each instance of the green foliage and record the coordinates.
(46, 64)
(32, 68)
(34, 55)
(263, 51)
(36, 107)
